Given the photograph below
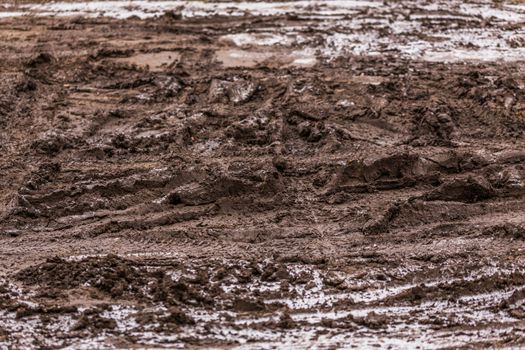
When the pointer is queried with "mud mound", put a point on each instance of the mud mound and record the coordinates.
(118, 278)
(433, 128)
(468, 190)
(113, 275)
(507, 230)
(94, 323)
(388, 173)
(456, 289)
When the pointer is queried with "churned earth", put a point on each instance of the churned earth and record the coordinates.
(311, 174)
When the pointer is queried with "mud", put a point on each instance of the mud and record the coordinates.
(262, 175)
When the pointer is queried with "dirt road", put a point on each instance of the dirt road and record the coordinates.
(262, 175)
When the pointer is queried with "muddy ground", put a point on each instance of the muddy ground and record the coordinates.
(273, 177)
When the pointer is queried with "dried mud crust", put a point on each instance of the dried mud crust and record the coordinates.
(362, 201)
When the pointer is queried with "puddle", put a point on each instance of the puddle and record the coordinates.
(368, 79)
(408, 326)
(11, 14)
(145, 9)
(245, 58)
(259, 39)
(483, 55)
(367, 28)
(155, 61)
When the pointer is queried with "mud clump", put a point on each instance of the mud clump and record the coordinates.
(28, 84)
(237, 91)
(518, 313)
(280, 163)
(470, 190)
(110, 52)
(25, 311)
(112, 275)
(507, 230)
(45, 173)
(192, 194)
(242, 305)
(53, 143)
(381, 224)
(254, 130)
(178, 317)
(433, 128)
(516, 297)
(372, 320)
(94, 322)
(117, 278)
(224, 186)
(164, 289)
(457, 289)
(286, 321)
(393, 167)
(40, 59)
(387, 173)
(311, 131)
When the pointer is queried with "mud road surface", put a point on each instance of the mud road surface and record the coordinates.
(346, 174)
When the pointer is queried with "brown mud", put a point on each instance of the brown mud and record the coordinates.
(160, 189)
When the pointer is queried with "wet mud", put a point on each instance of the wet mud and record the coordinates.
(169, 182)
